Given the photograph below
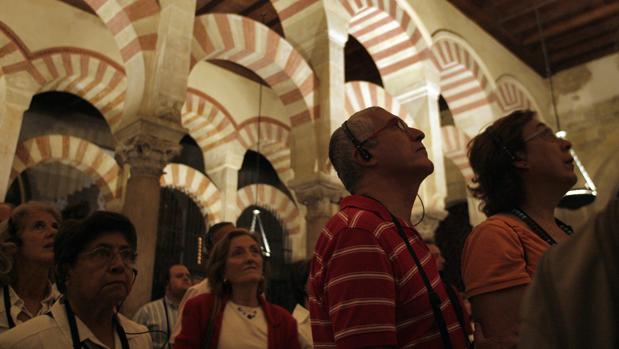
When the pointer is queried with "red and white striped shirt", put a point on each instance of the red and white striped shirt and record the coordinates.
(365, 289)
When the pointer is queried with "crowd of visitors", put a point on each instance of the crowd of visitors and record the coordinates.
(372, 282)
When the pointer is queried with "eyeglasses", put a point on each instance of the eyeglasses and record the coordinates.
(544, 133)
(390, 123)
(104, 255)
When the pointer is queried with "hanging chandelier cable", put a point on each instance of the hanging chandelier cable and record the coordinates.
(575, 197)
(547, 67)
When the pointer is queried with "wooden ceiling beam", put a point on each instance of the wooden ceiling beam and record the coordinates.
(575, 37)
(584, 58)
(522, 8)
(575, 22)
(488, 22)
(526, 25)
(584, 47)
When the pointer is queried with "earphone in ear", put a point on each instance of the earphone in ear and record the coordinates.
(365, 154)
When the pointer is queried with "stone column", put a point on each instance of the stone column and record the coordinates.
(320, 196)
(222, 166)
(18, 93)
(146, 147)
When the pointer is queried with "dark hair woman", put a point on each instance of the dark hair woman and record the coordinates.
(26, 260)
(94, 268)
(522, 170)
(235, 314)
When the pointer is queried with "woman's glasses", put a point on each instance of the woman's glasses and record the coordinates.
(104, 255)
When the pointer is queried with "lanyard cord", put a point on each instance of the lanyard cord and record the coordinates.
(75, 336)
(7, 307)
(537, 229)
(167, 321)
(435, 301)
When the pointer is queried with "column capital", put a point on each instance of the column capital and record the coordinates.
(147, 147)
(318, 189)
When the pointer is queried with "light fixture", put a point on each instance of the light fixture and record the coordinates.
(584, 191)
(256, 222)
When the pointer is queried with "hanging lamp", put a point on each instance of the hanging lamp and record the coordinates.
(584, 191)
(256, 222)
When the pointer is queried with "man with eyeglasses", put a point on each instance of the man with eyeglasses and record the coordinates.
(95, 270)
(373, 281)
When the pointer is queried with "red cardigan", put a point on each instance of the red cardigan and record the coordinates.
(282, 328)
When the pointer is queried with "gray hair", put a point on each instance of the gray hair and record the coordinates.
(341, 148)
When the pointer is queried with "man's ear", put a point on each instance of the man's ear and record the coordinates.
(359, 160)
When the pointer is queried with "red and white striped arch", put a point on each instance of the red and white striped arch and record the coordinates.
(197, 186)
(465, 83)
(208, 122)
(131, 22)
(212, 127)
(13, 53)
(79, 153)
(253, 45)
(512, 95)
(363, 94)
(274, 200)
(90, 75)
(274, 142)
(455, 148)
(389, 34)
(134, 28)
(290, 10)
(93, 77)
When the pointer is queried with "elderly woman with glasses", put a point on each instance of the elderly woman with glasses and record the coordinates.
(26, 260)
(94, 267)
(235, 315)
(522, 170)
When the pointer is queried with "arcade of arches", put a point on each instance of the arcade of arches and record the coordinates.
(142, 105)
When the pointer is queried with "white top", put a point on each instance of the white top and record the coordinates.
(53, 332)
(304, 326)
(201, 287)
(19, 312)
(243, 327)
(153, 315)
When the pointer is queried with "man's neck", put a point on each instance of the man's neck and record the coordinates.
(172, 298)
(398, 200)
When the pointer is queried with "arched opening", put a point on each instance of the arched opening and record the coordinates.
(358, 64)
(180, 237)
(190, 155)
(279, 290)
(257, 169)
(73, 192)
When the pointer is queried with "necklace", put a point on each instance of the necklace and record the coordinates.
(248, 313)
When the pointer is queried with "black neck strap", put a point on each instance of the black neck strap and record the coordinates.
(167, 320)
(75, 335)
(7, 307)
(435, 300)
(537, 229)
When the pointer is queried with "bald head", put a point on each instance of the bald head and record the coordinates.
(341, 148)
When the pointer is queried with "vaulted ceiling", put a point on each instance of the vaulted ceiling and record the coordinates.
(575, 31)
